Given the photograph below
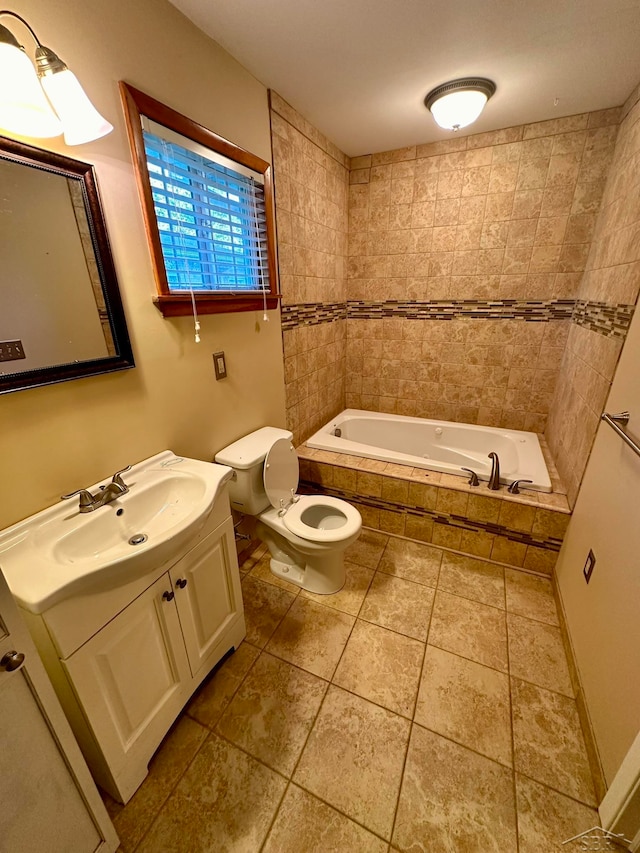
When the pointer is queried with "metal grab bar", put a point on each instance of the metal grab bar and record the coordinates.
(614, 422)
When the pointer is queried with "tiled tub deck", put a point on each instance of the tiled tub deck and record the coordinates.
(525, 530)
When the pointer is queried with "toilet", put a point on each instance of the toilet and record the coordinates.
(306, 534)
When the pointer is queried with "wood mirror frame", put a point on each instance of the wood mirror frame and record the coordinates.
(92, 254)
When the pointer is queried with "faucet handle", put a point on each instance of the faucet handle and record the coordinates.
(513, 488)
(86, 498)
(473, 479)
(117, 479)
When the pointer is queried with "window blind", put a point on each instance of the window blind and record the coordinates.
(211, 219)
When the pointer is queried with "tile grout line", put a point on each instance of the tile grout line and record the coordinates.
(513, 738)
(332, 684)
(557, 791)
(208, 729)
(172, 789)
(311, 727)
(463, 745)
(413, 723)
(285, 612)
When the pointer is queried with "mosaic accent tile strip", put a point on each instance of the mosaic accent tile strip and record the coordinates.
(499, 309)
(524, 538)
(609, 320)
(312, 313)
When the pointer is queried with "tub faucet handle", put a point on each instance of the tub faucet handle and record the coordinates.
(494, 479)
(473, 479)
(513, 488)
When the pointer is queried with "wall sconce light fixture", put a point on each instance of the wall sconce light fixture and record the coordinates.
(46, 103)
(459, 103)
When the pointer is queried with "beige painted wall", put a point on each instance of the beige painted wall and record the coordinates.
(60, 438)
(602, 617)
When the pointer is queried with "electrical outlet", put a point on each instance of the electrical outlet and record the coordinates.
(11, 350)
(220, 365)
(589, 566)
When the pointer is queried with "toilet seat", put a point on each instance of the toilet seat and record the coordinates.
(335, 509)
(316, 518)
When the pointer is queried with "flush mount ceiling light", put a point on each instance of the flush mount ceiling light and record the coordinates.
(48, 103)
(459, 103)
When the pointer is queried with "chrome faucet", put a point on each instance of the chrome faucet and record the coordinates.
(494, 479)
(106, 494)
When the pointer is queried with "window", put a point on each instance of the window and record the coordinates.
(208, 209)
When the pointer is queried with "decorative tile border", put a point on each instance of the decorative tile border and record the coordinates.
(312, 314)
(608, 320)
(548, 544)
(484, 309)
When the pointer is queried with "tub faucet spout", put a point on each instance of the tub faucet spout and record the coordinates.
(494, 479)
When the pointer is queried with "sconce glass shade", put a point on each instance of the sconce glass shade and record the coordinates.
(47, 103)
(459, 103)
(23, 106)
(80, 119)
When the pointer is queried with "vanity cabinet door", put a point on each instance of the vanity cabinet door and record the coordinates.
(208, 596)
(130, 678)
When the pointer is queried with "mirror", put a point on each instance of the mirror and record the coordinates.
(61, 315)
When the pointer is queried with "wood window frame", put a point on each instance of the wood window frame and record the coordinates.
(171, 304)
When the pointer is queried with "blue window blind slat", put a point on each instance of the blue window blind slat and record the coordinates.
(211, 220)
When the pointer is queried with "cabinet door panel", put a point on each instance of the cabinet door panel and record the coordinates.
(210, 600)
(128, 676)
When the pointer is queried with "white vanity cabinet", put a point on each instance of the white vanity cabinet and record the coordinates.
(125, 661)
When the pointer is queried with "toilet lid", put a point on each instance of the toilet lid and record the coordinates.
(281, 473)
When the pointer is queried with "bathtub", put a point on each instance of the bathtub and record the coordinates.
(436, 445)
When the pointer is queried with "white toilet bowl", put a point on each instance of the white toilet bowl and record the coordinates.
(306, 534)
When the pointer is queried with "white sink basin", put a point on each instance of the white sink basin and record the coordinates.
(61, 552)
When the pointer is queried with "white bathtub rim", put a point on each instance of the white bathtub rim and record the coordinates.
(324, 439)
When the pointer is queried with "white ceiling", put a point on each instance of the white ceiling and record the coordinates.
(359, 69)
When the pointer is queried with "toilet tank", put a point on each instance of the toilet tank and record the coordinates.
(246, 457)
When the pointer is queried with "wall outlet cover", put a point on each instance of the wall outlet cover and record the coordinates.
(11, 350)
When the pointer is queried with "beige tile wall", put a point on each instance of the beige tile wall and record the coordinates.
(511, 214)
(311, 179)
(493, 372)
(613, 276)
(501, 215)
(314, 372)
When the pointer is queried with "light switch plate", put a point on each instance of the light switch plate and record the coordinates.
(220, 365)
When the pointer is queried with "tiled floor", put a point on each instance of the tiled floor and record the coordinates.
(425, 707)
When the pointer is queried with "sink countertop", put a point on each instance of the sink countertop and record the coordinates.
(60, 552)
